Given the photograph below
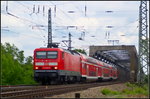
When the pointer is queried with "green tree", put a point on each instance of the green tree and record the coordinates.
(12, 49)
(81, 51)
(13, 70)
(29, 60)
(20, 57)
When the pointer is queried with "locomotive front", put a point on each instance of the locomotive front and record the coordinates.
(46, 64)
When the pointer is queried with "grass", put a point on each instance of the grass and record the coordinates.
(106, 91)
(134, 89)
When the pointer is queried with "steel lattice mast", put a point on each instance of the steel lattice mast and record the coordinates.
(143, 67)
(49, 45)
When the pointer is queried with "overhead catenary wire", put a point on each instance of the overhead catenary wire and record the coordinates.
(24, 5)
(20, 17)
(88, 18)
(6, 6)
(55, 5)
(37, 37)
(78, 9)
(40, 19)
(16, 17)
(56, 23)
(61, 11)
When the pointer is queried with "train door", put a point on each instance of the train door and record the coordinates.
(100, 71)
(87, 70)
(106, 73)
(96, 71)
(84, 69)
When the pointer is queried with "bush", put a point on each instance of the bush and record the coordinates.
(105, 91)
(14, 70)
(109, 92)
(135, 90)
(130, 85)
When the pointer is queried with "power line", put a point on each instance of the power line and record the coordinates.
(78, 8)
(24, 5)
(30, 10)
(21, 19)
(6, 6)
(62, 11)
(38, 7)
(15, 16)
(20, 33)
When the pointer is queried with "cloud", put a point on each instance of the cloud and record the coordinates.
(87, 22)
(123, 19)
(11, 40)
(7, 20)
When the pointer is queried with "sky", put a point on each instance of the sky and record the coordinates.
(25, 23)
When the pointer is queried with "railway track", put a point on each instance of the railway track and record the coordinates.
(42, 91)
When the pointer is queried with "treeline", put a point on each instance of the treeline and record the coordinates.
(15, 68)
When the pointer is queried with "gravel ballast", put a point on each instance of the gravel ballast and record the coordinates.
(92, 92)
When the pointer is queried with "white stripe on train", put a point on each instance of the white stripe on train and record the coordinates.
(91, 77)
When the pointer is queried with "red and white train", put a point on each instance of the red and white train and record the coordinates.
(60, 65)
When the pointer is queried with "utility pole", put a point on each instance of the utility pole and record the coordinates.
(143, 65)
(7, 6)
(69, 42)
(49, 45)
(69, 45)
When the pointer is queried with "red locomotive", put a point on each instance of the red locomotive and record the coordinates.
(60, 65)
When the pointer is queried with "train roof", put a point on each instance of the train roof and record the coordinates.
(57, 49)
(83, 56)
(47, 49)
(90, 59)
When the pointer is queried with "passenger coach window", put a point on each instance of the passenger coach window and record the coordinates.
(52, 54)
(40, 55)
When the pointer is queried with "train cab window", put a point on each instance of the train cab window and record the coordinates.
(52, 54)
(41, 55)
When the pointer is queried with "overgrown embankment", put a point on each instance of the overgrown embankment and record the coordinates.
(15, 68)
(133, 90)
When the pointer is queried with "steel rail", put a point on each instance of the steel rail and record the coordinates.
(49, 91)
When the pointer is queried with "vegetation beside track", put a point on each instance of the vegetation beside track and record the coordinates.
(15, 68)
(133, 90)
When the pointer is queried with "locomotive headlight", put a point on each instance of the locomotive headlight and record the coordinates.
(55, 67)
(53, 63)
(36, 68)
(39, 63)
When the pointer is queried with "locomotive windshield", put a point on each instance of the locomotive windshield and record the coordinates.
(52, 55)
(46, 54)
(40, 55)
